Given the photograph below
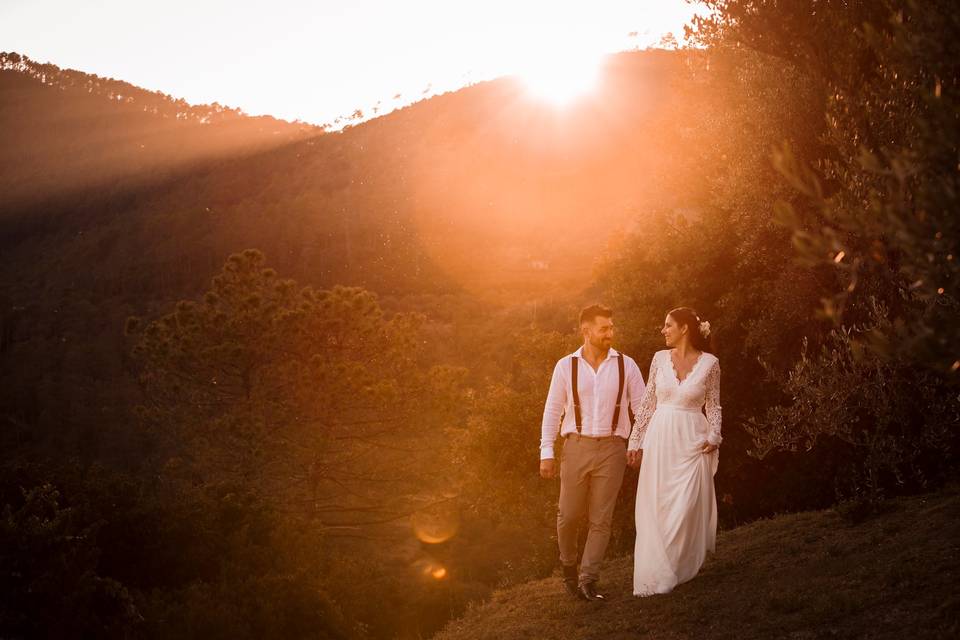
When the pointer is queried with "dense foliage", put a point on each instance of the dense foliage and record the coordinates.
(876, 207)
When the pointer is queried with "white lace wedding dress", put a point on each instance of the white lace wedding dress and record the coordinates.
(676, 510)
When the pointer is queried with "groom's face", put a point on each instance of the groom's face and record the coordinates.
(599, 332)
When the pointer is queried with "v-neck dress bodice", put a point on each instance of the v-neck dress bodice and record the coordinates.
(699, 390)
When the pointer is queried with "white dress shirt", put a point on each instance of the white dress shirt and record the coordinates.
(598, 398)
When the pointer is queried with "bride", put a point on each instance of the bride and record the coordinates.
(675, 446)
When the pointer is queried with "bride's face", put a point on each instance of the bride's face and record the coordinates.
(672, 332)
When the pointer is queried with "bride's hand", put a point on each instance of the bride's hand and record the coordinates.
(709, 448)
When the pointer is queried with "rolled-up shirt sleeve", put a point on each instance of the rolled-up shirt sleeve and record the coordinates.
(553, 410)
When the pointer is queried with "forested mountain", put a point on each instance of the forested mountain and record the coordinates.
(484, 184)
(484, 194)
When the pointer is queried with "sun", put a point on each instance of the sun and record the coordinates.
(560, 78)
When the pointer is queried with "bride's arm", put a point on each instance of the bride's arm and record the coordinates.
(647, 407)
(713, 405)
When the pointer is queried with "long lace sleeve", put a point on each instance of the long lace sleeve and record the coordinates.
(647, 408)
(713, 404)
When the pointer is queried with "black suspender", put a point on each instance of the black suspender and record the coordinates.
(616, 411)
(576, 395)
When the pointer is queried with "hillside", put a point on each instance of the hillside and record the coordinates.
(807, 575)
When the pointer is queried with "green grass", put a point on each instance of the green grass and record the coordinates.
(808, 575)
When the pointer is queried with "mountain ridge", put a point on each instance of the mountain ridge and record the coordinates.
(67, 130)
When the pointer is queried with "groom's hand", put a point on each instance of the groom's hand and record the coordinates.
(548, 468)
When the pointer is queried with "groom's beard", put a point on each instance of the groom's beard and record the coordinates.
(602, 343)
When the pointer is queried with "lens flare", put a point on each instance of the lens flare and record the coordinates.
(436, 524)
(430, 568)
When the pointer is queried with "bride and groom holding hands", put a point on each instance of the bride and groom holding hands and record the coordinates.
(609, 419)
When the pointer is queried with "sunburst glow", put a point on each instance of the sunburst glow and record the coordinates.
(561, 77)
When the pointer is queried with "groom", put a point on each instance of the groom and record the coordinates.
(590, 400)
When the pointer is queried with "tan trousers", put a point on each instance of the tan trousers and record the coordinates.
(591, 473)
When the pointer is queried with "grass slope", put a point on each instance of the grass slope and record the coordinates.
(807, 575)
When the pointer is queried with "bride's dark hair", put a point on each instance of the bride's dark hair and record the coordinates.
(687, 317)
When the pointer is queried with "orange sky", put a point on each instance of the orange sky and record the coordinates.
(316, 61)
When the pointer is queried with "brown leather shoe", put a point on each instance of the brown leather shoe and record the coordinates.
(570, 578)
(588, 591)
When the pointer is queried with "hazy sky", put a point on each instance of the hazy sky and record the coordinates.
(319, 60)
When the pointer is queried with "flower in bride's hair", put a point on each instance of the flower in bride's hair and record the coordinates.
(705, 329)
